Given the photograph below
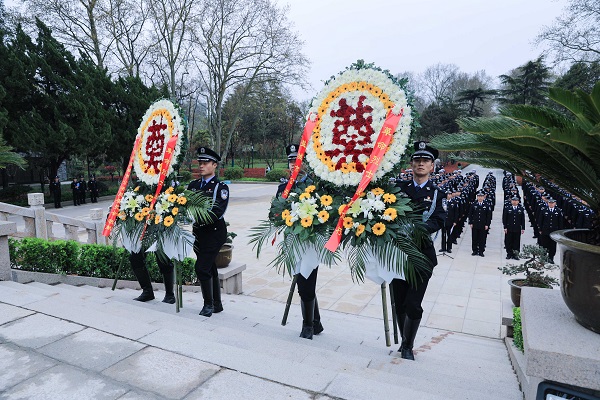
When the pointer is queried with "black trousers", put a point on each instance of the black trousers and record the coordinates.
(307, 286)
(478, 239)
(138, 261)
(94, 196)
(209, 240)
(512, 242)
(549, 244)
(408, 299)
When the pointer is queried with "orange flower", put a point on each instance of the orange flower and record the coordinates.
(181, 200)
(326, 200)
(285, 214)
(304, 195)
(348, 222)
(323, 216)
(360, 229)
(377, 191)
(341, 208)
(390, 212)
(145, 211)
(139, 216)
(389, 198)
(172, 198)
(310, 189)
(288, 221)
(379, 229)
(170, 190)
(175, 211)
(157, 219)
(168, 221)
(306, 222)
(149, 198)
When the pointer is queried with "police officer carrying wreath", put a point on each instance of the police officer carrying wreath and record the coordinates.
(210, 236)
(423, 192)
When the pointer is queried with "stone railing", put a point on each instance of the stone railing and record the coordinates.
(40, 223)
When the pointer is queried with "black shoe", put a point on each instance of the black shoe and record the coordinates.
(508, 257)
(307, 332)
(443, 250)
(515, 258)
(474, 254)
(169, 299)
(207, 310)
(455, 242)
(481, 255)
(308, 317)
(449, 251)
(407, 354)
(409, 332)
(218, 307)
(145, 296)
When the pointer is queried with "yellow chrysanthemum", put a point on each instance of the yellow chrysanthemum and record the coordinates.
(170, 190)
(390, 212)
(341, 208)
(172, 198)
(326, 200)
(360, 229)
(323, 216)
(285, 214)
(288, 221)
(389, 198)
(306, 222)
(168, 221)
(145, 211)
(149, 198)
(348, 222)
(310, 189)
(304, 196)
(181, 200)
(157, 220)
(175, 211)
(377, 191)
(139, 216)
(379, 228)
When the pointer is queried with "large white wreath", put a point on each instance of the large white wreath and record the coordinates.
(351, 110)
(161, 122)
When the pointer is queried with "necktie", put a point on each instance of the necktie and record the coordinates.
(417, 188)
(202, 184)
(515, 208)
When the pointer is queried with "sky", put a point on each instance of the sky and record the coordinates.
(402, 35)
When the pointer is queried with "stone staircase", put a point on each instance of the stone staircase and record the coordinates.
(349, 360)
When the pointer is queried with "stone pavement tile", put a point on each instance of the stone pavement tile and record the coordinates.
(167, 374)
(456, 288)
(460, 276)
(16, 297)
(490, 305)
(139, 395)
(37, 330)
(17, 365)
(463, 266)
(266, 293)
(445, 298)
(91, 349)
(449, 310)
(488, 294)
(347, 307)
(487, 329)
(229, 384)
(10, 313)
(374, 310)
(65, 382)
(483, 315)
(444, 322)
(346, 386)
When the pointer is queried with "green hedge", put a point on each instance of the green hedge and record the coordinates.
(74, 258)
(276, 174)
(232, 173)
(517, 329)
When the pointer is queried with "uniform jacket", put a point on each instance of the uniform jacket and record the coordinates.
(212, 234)
(550, 221)
(480, 216)
(513, 220)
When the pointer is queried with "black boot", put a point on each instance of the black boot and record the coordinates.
(217, 304)
(317, 326)
(308, 317)
(411, 326)
(401, 319)
(143, 277)
(207, 294)
(169, 279)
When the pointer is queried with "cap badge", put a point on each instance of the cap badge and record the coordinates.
(422, 145)
(202, 150)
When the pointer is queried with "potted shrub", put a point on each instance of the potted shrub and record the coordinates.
(562, 144)
(224, 257)
(535, 268)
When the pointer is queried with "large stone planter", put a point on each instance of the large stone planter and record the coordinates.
(580, 276)
(224, 257)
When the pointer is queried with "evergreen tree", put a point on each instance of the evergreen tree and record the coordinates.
(438, 118)
(581, 76)
(528, 84)
(471, 100)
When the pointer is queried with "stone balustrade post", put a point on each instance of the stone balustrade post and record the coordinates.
(6, 229)
(36, 203)
(98, 218)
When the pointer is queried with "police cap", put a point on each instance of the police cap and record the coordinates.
(292, 151)
(423, 150)
(206, 154)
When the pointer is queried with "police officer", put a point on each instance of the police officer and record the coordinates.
(75, 191)
(55, 188)
(513, 220)
(93, 188)
(311, 318)
(550, 220)
(211, 235)
(82, 190)
(424, 193)
(480, 217)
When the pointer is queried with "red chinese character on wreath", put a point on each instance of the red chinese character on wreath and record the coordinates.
(352, 128)
(155, 144)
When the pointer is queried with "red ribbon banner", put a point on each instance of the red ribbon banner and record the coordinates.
(114, 209)
(308, 129)
(381, 145)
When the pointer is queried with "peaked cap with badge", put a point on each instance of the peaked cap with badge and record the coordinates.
(292, 151)
(423, 150)
(206, 154)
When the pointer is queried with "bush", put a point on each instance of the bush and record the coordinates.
(70, 257)
(232, 173)
(275, 175)
(186, 176)
(16, 193)
(517, 329)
